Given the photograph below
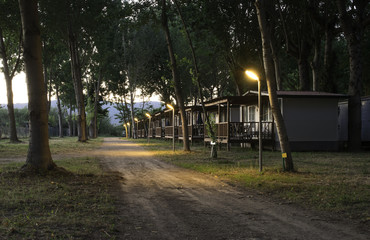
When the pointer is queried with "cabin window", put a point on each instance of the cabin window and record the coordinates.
(252, 113)
(267, 113)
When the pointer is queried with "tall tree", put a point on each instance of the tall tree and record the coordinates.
(265, 28)
(298, 40)
(197, 77)
(175, 75)
(354, 18)
(39, 156)
(10, 53)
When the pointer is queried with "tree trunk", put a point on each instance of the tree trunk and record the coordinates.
(197, 74)
(304, 73)
(271, 83)
(8, 79)
(38, 157)
(315, 64)
(327, 82)
(352, 25)
(276, 60)
(354, 101)
(70, 122)
(60, 115)
(77, 83)
(176, 78)
(95, 117)
(133, 124)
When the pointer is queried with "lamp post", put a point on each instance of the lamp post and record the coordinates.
(129, 129)
(254, 76)
(149, 117)
(173, 125)
(137, 127)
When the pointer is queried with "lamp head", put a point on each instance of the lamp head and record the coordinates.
(148, 115)
(128, 124)
(136, 120)
(252, 75)
(169, 106)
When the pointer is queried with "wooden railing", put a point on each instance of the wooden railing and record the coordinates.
(242, 130)
(159, 132)
(249, 130)
(168, 131)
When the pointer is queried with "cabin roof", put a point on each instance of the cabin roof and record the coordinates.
(230, 99)
(300, 94)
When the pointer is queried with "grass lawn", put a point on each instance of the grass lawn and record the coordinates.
(66, 145)
(334, 182)
(80, 204)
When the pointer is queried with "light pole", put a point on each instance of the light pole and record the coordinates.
(137, 127)
(148, 116)
(173, 125)
(129, 129)
(254, 76)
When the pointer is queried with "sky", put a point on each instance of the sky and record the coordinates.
(19, 89)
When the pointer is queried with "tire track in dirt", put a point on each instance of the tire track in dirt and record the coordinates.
(161, 201)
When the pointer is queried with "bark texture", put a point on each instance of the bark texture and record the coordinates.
(60, 114)
(197, 74)
(176, 77)
(8, 74)
(353, 28)
(77, 83)
(38, 157)
(271, 83)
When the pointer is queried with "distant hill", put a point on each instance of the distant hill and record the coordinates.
(112, 110)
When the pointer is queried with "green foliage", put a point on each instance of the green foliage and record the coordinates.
(107, 129)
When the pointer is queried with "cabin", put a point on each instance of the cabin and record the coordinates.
(195, 120)
(343, 122)
(141, 129)
(170, 123)
(233, 125)
(311, 118)
(158, 124)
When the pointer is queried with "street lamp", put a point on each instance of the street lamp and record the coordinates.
(148, 116)
(254, 76)
(173, 125)
(129, 129)
(137, 127)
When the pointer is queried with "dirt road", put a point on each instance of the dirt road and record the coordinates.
(161, 201)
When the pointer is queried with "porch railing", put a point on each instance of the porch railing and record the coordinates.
(168, 131)
(242, 130)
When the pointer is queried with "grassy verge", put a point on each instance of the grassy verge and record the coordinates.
(66, 145)
(79, 205)
(332, 182)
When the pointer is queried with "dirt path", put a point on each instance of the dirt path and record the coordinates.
(161, 201)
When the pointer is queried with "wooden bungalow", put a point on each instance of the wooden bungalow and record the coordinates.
(141, 129)
(365, 123)
(236, 121)
(195, 122)
(311, 118)
(158, 124)
(167, 116)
